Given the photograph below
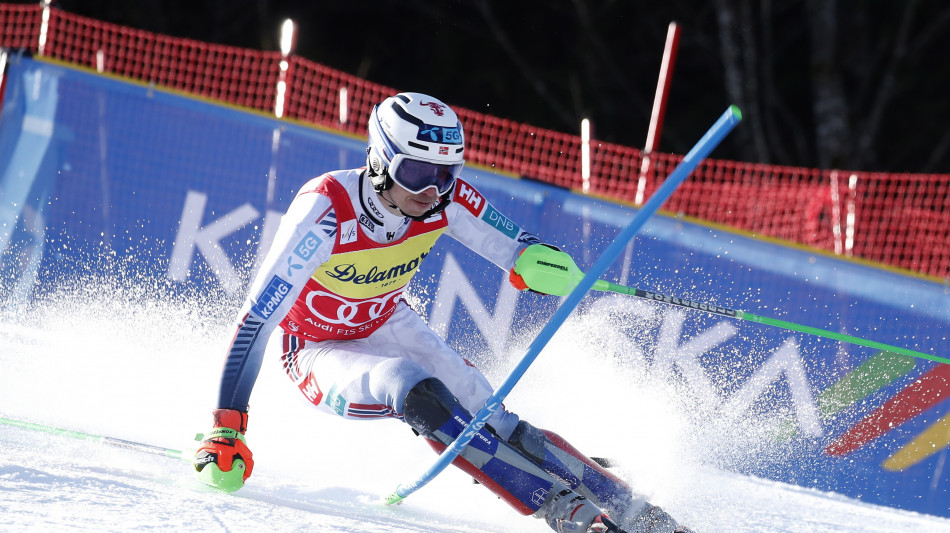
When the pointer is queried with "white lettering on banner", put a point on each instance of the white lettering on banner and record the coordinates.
(668, 351)
(454, 285)
(786, 360)
(686, 356)
(207, 239)
(38, 125)
(268, 230)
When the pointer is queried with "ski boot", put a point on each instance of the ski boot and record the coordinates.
(627, 512)
(603, 524)
(568, 512)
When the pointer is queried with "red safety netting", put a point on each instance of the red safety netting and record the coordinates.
(901, 220)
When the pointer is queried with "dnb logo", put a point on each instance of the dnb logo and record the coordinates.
(336, 401)
(271, 297)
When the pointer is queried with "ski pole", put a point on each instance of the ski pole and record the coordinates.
(601, 285)
(111, 441)
(710, 140)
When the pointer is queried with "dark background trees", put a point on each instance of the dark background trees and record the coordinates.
(851, 84)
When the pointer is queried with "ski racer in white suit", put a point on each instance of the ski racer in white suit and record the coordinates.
(332, 282)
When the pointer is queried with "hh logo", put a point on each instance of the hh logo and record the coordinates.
(466, 195)
(311, 390)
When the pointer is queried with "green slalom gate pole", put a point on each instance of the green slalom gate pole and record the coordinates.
(710, 140)
(110, 441)
(606, 286)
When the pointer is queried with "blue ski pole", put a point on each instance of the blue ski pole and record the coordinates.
(706, 144)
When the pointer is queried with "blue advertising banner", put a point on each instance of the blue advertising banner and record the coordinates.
(106, 179)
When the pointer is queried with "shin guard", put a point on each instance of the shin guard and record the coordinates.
(435, 413)
(558, 457)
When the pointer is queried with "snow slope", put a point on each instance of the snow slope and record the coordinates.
(123, 362)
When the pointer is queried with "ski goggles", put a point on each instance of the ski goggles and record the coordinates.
(416, 176)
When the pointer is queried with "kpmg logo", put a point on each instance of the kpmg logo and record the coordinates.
(307, 246)
(271, 297)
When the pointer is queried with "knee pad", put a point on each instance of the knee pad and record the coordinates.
(428, 406)
(529, 440)
(434, 412)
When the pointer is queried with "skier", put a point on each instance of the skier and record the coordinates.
(332, 282)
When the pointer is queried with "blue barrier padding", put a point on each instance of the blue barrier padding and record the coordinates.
(101, 178)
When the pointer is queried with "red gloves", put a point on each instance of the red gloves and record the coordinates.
(223, 459)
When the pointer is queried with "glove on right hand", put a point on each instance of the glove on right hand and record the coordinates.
(223, 459)
(545, 269)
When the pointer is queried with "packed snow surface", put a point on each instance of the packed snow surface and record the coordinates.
(129, 364)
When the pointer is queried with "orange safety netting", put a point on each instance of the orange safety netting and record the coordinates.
(900, 220)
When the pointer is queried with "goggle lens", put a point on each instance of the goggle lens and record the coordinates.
(417, 176)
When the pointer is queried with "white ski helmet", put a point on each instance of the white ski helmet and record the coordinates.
(416, 141)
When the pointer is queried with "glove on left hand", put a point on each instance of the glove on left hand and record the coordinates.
(545, 269)
(223, 460)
